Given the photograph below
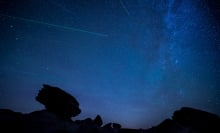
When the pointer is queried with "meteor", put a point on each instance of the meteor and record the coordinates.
(124, 7)
(55, 25)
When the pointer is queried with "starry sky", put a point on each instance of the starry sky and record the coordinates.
(133, 62)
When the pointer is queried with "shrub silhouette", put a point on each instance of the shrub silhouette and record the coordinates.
(58, 101)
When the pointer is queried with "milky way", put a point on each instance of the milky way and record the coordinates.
(133, 62)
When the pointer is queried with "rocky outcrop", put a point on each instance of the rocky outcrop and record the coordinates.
(58, 101)
(61, 106)
(189, 120)
(11, 121)
(98, 120)
(185, 120)
(197, 119)
(46, 122)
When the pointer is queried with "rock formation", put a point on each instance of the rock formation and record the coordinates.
(61, 106)
(58, 101)
(200, 120)
(98, 120)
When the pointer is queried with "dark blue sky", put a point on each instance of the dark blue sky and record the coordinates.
(131, 61)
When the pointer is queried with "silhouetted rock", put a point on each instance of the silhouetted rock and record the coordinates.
(61, 106)
(197, 119)
(47, 122)
(112, 125)
(98, 120)
(189, 120)
(11, 121)
(185, 120)
(116, 125)
(88, 126)
(108, 125)
(58, 101)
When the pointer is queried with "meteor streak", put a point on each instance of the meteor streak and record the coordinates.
(124, 7)
(55, 25)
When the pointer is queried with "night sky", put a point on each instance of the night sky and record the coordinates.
(133, 62)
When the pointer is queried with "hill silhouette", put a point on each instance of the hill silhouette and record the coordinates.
(60, 106)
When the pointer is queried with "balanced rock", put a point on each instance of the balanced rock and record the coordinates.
(58, 101)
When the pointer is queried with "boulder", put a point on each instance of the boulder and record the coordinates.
(108, 125)
(58, 101)
(98, 120)
(116, 125)
(200, 120)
